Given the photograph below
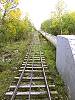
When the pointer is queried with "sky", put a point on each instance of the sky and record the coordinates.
(40, 10)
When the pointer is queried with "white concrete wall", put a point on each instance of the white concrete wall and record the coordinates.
(51, 38)
(65, 60)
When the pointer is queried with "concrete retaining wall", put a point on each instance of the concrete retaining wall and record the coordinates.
(51, 38)
(65, 59)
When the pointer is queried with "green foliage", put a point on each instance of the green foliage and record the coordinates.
(14, 28)
(46, 26)
(6, 7)
(68, 24)
(8, 4)
(11, 57)
(52, 26)
(5, 77)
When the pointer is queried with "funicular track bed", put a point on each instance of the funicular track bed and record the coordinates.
(33, 81)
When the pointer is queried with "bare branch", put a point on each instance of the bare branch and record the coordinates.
(13, 7)
(3, 2)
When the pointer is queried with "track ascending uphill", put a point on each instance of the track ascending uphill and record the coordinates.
(33, 81)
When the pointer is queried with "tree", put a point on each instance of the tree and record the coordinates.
(12, 27)
(14, 14)
(68, 24)
(7, 5)
(60, 11)
(51, 26)
(46, 26)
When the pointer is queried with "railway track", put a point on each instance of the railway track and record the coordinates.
(33, 81)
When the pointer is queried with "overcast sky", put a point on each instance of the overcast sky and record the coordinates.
(39, 10)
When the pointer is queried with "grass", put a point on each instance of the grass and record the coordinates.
(50, 55)
(11, 56)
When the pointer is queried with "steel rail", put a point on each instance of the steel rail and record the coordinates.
(49, 95)
(31, 76)
(16, 88)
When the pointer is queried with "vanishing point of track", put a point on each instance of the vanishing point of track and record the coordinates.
(33, 81)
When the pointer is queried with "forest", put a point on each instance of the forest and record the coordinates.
(61, 22)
